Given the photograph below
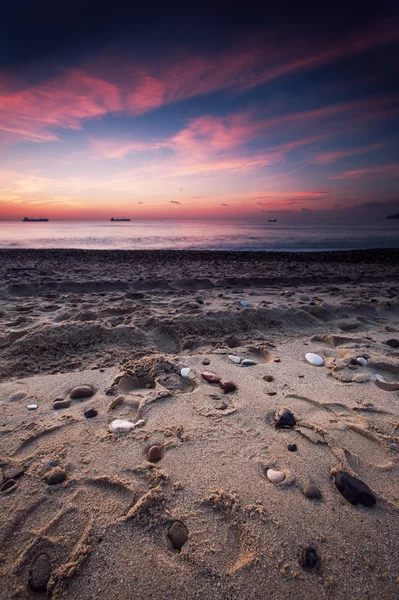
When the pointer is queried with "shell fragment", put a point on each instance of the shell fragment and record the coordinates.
(314, 359)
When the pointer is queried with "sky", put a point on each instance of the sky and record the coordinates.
(289, 113)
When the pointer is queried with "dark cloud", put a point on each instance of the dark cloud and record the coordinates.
(224, 204)
(174, 202)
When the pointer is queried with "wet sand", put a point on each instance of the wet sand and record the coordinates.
(125, 324)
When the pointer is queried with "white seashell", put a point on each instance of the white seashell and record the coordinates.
(185, 371)
(275, 476)
(121, 426)
(245, 303)
(314, 359)
(362, 361)
(379, 377)
(32, 406)
(235, 359)
(140, 423)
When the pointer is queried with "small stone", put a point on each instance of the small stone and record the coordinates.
(314, 359)
(154, 453)
(354, 490)
(292, 447)
(277, 359)
(268, 378)
(90, 413)
(308, 558)
(272, 393)
(312, 491)
(275, 476)
(178, 534)
(8, 486)
(235, 359)
(55, 476)
(375, 299)
(393, 343)
(222, 406)
(210, 377)
(284, 419)
(248, 362)
(245, 303)
(185, 371)
(32, 406)
(59, 404)
(14, 473)
(206, 361)
(40, 573)
(227, 386)
(81, 391)
(115, 402)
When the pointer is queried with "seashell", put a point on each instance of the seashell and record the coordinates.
(235, 359)
(185, 371)
(361, 361)
(275, 476)
(379, 377)
(32, 406)
(314, 359)
(245, 303)
(121, 426)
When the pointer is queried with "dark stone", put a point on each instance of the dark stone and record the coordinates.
(210, 377)
(272, 393)
(154, 453)
(227, 386)
(81, 391)
(178, 534)
(248, 362)
(206, 361)
(312, 491)
(55, 476)
(14, 473)
(90, 413)
(59, 404)
(292, 447)
(268, 378)
(222, 406)
(40, 573)
(9, 485)
(284, 419)
(393, 343)
(354, 490)
(308, 558)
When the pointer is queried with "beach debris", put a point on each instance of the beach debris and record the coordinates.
(8, 486)
(308, 558)
(227, 386)
(292, 447)
(275, 476)
(354, 490)
(40, 573)
(248, 362)
(185, 371)
(115, 402)
(268, 378)
(55, 476)
(59, 404)
(393, 343)
(14, 473)
(314, 359)
(154, 453)
(284, 419)
(235, 359)
(245, 303)
(210, 377)
(90, 413)
(122, 426)
(177, 534)
(81, 391)
(312, 491)
(32, 406)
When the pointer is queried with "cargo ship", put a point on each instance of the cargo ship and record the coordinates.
(32, 220)
(118, 219)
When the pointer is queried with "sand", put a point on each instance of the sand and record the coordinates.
(126, 323)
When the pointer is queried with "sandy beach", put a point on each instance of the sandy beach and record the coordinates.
(231, 481)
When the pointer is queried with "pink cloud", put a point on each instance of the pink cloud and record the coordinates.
(329, 157)
(386, 171)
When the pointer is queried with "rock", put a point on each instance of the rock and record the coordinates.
(272, 393)
(14, 473)
(81, 391)
(227, 386)
(292, 447)
(375, 299)
(268, 378)
(222, 406)
(154, 453)
(32, 406)
(308, 558)
(185, 371)
(354, 490)
(40, 573)
(90, 413)
(312, 491)
(59, 404)
(206, 361)
(248, 362)
(55, 476)
(275, 476)
(121, 426)
(210, 377)
(8, 486)
(115, 402)
(284, 419)
(178, 534)
(235, 359)
(277, 359)
(393, 343)
(314, 359)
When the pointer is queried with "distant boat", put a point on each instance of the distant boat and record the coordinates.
(118, 219)
(32, 220)
(272, 220)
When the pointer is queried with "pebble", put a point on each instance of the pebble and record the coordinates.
(272, 393)
(178, 534)
(248, 362)
(8, 486)
(308, 558)
(210, 377)
(90, 413)
(277, 360)
(14, 473)
(314, 359)
(227, 386)
(222, 406)
(393, 343)
(206, 361)
(292, 447)
(235, 359)
(40, 573)
(245, 303)
(55, 476)
(312, 491)
(121, 426)
(81, 391)
(32, 406)
(58, 404)
(154, 453)
(115, 402)
(354, 490)
(268, 378)
(361, 361)
(185, 371)
(284, 419)
(375, 299)
(275, 476)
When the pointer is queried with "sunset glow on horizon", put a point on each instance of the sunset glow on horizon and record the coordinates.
(245, 122)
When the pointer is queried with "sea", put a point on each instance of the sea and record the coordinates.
(198, 235)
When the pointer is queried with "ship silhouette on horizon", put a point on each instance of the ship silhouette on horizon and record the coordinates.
(34, 220)
(118, 219)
